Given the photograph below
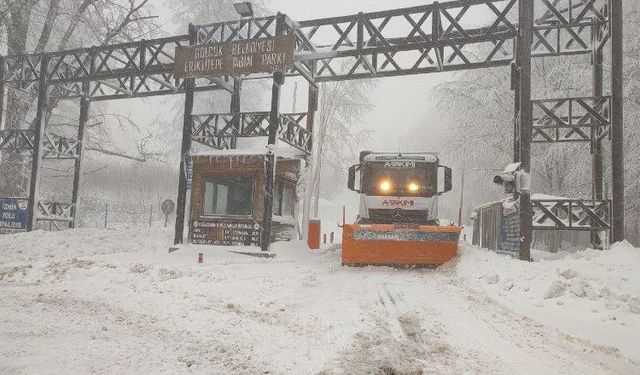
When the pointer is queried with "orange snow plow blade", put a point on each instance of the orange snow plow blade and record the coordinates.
(398, 246)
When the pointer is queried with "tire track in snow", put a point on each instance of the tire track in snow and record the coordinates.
(398, 338)
(519, 342)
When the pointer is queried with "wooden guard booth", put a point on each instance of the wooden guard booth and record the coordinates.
(227, 197)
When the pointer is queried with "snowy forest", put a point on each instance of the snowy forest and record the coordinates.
(132, 152)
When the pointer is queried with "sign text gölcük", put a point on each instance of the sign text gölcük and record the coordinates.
(262, 55)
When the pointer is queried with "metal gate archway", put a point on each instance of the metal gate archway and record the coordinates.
(362, 45)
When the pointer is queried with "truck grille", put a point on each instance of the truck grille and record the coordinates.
(397, 216)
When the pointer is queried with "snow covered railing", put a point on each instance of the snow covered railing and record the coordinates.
(581, 119)
(496, 225)
(54, 146)
(570, 214)
(57, 215)
(486, 225)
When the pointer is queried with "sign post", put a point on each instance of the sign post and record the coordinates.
(167, 208)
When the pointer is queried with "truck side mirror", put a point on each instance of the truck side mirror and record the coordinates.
(447, 179)
(351, 183)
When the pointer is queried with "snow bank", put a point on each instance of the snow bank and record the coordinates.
(41, 245)
(115, 301)
(29, 257)
(591, 293)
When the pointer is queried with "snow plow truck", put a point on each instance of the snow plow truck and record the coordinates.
(398, 223)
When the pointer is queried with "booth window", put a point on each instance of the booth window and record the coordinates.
(228, 195)
(283, 199)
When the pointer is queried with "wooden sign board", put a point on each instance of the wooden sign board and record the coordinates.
(264, 55)
(230, 232)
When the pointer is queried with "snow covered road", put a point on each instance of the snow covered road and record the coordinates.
(106, 302)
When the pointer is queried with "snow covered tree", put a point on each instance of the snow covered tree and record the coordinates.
(31, 26)
(341, 107)
(478, 105)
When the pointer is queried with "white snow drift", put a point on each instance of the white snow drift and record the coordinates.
(100, 301)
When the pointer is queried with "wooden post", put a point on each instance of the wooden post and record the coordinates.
(77, 171)
(523, 59)
(36, 163)
(312, 107)
(186, 145)
(617, 121)
(270, 158)
(597, 239)
(235, 109)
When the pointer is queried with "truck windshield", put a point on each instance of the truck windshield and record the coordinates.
(400, 178)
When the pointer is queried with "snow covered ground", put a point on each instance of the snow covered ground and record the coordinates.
(116, 302)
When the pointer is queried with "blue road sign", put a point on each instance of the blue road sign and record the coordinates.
(13, 215)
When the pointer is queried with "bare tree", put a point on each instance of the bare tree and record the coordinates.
(341, 107)
(478, 105)
(33, 26)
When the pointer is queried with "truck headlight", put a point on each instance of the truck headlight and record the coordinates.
(385, 186)
(413, 187)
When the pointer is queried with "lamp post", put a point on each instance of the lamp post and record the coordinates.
(244, 9)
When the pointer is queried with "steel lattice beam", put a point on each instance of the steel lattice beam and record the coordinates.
(571, 119)
(430, 38)
(127, 70)
(564, 27)
(57, 215)
(54, 211)
(55, 146)
(218, 130)
(571, 214)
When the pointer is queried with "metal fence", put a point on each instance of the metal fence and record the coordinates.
(487, 222)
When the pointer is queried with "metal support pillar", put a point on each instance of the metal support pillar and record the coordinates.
(597, 239)
(617, 120)
(235, 108)
(270, 158)
(523, 58)
(77, 173)
(186, 145)
(36, 162)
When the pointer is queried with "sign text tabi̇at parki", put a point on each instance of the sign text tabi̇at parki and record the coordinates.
(262, 55)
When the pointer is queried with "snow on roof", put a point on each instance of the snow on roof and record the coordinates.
(253, 146)
(281, 153)
(230, 153)
(408, 156)
(543, 197)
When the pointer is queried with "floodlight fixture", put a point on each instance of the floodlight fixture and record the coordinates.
(244, 9)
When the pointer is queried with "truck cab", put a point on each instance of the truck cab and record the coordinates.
(399, 188)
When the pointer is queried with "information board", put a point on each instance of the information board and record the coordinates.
(13, 215)
(263, 55)
(227, 232)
